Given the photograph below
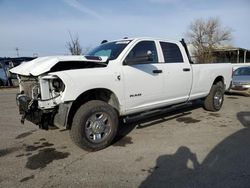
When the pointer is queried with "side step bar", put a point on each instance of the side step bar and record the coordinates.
(147, 114)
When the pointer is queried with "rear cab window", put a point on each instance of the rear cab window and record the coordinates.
(171, 52)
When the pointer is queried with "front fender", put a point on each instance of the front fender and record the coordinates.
(79, 81)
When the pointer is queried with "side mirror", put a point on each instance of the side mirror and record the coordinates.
(149, 53)
(140, 59)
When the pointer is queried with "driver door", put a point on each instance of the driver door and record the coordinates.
(143, 77)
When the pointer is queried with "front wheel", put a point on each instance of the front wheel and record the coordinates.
(213, 102)
(94, 125)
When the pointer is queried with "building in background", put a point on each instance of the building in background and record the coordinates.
(232, 55)
(227, 54)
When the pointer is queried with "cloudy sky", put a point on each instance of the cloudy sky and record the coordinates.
(42, 27)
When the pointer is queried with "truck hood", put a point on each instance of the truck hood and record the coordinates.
(42, 65)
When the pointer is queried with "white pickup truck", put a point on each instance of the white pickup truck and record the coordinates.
(119, 79)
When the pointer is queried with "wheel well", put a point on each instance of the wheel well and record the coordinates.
(93, 94)
(219, 79)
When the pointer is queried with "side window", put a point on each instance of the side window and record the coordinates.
(171, 52)
(143, 52)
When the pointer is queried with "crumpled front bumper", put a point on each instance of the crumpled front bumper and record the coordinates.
(29, 110)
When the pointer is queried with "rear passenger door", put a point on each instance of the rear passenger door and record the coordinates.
(177, 73)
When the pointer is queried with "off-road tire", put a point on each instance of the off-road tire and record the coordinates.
(78, 133)
(210, 103)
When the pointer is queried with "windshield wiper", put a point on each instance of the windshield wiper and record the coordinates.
(92, 57)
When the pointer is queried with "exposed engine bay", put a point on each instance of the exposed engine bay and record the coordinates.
(39, 98)
(41, 91)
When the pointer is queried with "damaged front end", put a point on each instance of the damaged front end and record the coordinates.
(41, 91)
(39, 99)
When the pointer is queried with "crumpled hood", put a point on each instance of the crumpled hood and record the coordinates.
(42, 65)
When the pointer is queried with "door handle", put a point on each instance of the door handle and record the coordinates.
(157, 71)
(186, 69)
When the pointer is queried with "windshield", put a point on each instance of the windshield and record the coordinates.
(244, 71)
(110, 49)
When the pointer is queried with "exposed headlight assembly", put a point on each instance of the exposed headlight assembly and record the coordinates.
(51, 87)
(58, 85)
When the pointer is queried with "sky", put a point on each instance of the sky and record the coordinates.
(42, 28)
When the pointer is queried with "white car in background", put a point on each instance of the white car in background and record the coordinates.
(241, 80)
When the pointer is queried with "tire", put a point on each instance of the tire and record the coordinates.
(94, 125)
(213, 102)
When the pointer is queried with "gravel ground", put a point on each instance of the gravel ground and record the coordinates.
(188, 148)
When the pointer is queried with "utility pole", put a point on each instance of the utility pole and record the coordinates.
(17, 51)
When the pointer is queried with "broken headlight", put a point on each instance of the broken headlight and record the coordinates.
(58, 85)
(51, 87)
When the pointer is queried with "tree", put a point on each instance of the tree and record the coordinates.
(74, 45)
(205, 36)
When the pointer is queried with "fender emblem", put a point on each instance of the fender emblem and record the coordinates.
(135, 95)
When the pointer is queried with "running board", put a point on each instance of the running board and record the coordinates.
(136, 117)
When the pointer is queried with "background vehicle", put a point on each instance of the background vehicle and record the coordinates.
(3, 77)
(238, 65)
(128, 78)
(6, 78)
(241, 80)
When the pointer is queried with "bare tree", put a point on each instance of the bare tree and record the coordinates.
(205, 36)
(74, 45)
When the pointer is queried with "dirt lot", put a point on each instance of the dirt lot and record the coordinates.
(189, 148)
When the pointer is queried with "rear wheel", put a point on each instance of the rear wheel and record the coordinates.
(94, 125)
(213, 102)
